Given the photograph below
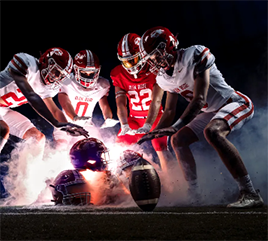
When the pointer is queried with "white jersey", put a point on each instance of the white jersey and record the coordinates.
(84, 100)
(26, 65)
(191, 61)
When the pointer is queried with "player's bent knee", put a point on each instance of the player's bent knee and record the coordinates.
(184, 137)
(34, 133)
(212, 134)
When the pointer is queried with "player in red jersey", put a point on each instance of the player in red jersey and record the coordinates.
(132, 80)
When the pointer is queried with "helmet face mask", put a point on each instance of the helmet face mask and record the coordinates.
(53, 75)
(87, 69)
(55, 66)
(129, 55)
(159, 60)
(86, 77)
(70, 188)
(158, 47)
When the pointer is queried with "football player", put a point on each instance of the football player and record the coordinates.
(29, 80)
(132, 80)
(192, 73)
(86, 89)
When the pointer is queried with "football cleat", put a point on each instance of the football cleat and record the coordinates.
(247, 200)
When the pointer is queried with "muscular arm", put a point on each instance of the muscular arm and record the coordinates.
(157, 95)
(201, 86)
(57, 113)
(66, 105)
(121, 103)
(34, 99)
(169, 112)
(105, 108)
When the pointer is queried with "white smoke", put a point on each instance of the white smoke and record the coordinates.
(29, 174)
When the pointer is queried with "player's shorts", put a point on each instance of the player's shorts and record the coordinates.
(18, 124)
(159, 144)
(236, 112)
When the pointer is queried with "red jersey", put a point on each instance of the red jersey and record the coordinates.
(139, 91)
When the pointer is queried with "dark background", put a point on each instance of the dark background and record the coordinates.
(235, 32)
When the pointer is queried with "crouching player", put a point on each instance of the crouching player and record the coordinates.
(132, 80)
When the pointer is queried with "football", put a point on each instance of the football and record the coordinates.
(144, 185)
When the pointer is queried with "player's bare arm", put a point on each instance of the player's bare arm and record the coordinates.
(121, 103)
(105, 108)
(201, 86)
(40, 107)
(54, 109)
(66, 105)
(165, 120)
(157, 95)
(34, 99)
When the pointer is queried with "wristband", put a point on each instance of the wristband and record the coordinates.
(178, 124)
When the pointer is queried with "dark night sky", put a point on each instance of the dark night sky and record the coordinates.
(235, 32)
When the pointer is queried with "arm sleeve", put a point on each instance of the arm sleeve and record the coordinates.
(203, 59)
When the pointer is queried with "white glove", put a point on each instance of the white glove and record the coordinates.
(125, 129)
(109, 123)
(145, 129)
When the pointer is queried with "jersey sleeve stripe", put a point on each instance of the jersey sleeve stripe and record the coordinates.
(18, 68)
(205, 54)
(19, 64)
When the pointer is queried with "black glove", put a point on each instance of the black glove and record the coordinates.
(74, 130)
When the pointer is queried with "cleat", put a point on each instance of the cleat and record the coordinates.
(247, 200)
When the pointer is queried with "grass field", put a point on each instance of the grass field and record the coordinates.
(109, 223)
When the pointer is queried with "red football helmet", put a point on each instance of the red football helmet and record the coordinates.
(158, 48)
(89, 153)
(55, 66)
(87, 68)
(70, 188)
(129, 55)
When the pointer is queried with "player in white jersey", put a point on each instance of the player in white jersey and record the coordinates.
(214, 108)
(29, 80)
(86, 89)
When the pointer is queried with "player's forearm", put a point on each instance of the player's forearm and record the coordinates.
(105, 108)
(192, 110)
(40, 107)
(122, 114)
(153, 112)
(166, 119)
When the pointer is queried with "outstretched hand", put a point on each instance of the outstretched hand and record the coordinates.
(169, 131)
(73, 129)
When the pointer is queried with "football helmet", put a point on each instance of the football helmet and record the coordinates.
(70, 188)
(158, 48)
(89, 153)
(87, 68)
(127, 159)
(55, 66)
(129, 55)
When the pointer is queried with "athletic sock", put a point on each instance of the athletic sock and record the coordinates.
(245, 184)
